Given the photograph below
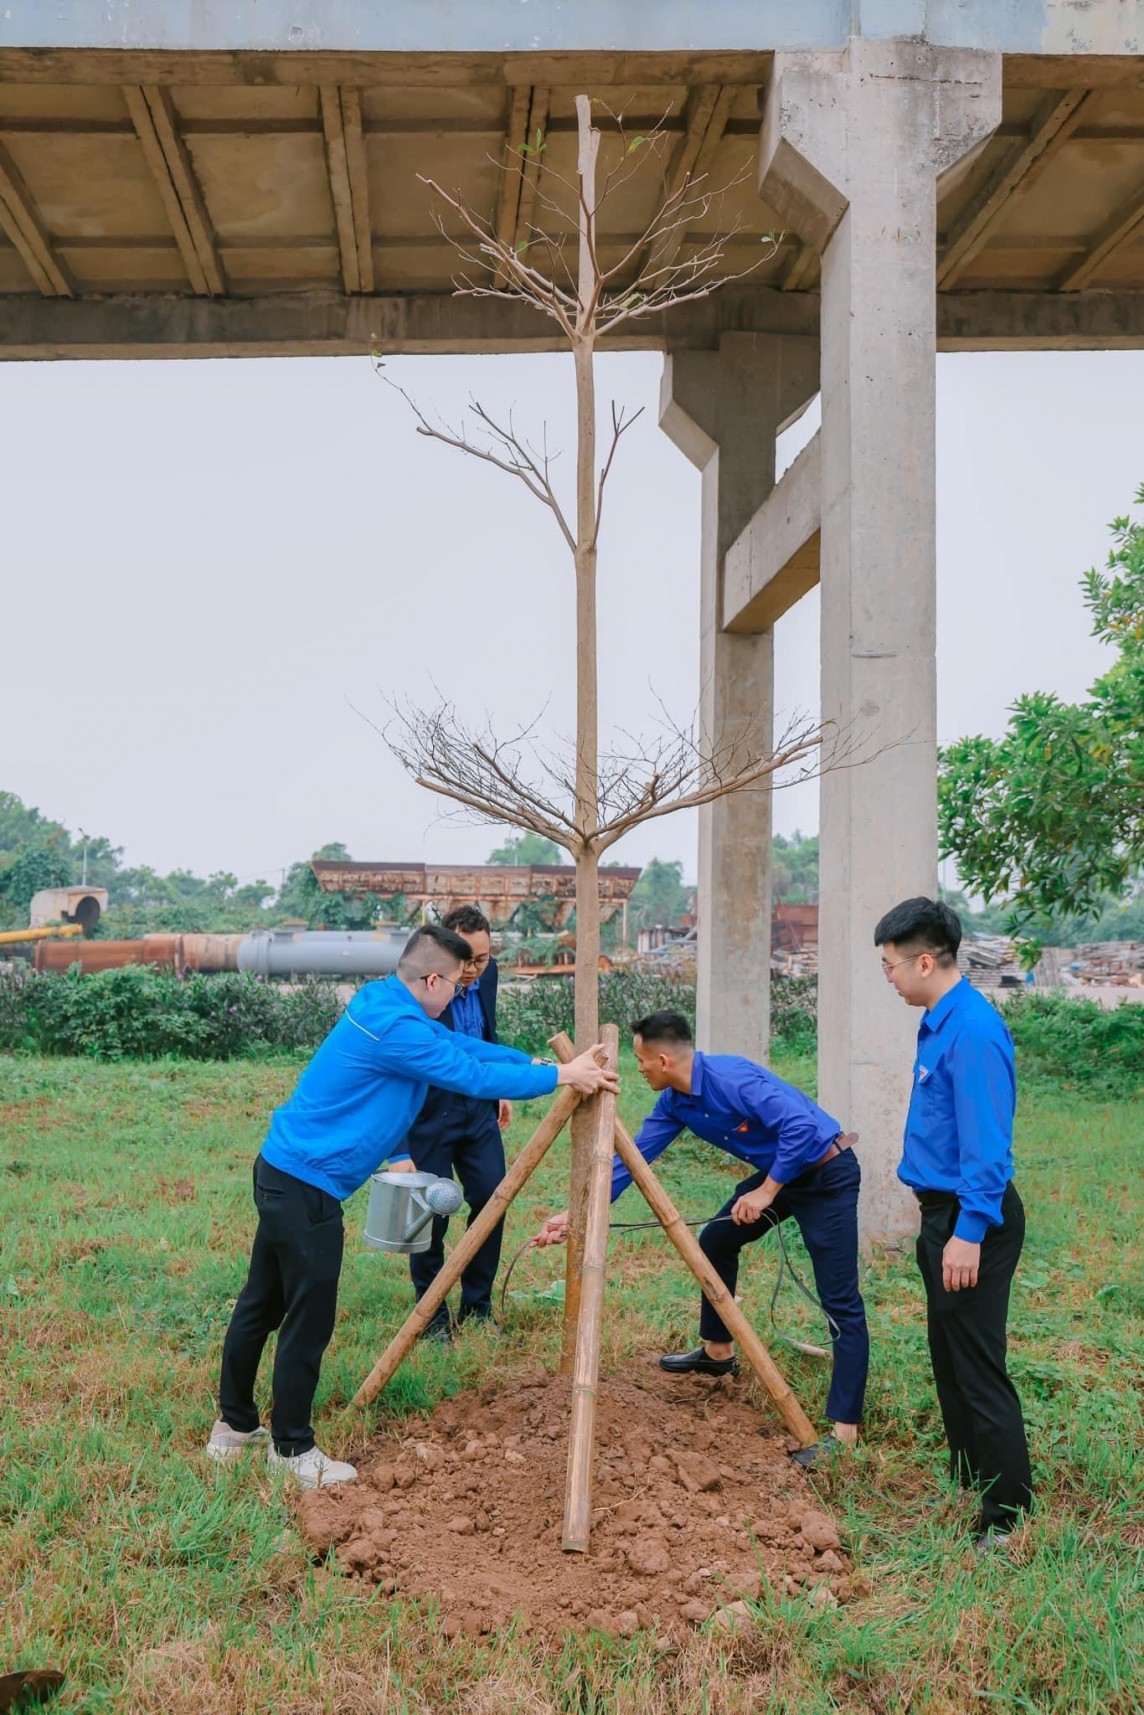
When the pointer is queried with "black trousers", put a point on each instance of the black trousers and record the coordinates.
(824, 1203)
(292, 1286)
(468, 1145)
(967, 1342)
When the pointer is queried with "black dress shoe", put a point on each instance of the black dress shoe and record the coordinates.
(818, 1453)
(440, 1329)
(482, 1317)
(683, 1363)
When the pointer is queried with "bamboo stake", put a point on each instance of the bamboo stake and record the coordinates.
(426, 1308)
(586, 1371)
(714, 1290)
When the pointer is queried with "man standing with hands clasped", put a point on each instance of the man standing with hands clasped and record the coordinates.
(958, 1161)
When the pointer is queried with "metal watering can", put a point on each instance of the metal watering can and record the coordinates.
(402, 1207)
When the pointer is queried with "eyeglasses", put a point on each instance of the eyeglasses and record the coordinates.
(887, 968)
(453, 982)
(477, 964)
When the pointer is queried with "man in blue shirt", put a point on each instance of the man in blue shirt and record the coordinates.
(802, 1165)
(463, 1134)
(351, 1107)
(958, 1161)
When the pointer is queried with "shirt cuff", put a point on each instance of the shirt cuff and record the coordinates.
(393, 1158)
(970, 1227)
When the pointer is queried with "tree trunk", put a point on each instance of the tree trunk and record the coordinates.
(587, 718)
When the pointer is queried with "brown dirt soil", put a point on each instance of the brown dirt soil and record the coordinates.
(693, 1509)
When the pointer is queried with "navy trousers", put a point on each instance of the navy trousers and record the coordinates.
(465, 1143)
(824, 1204)
(967, 1341)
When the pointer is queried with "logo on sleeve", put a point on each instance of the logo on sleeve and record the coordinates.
(923, 1072)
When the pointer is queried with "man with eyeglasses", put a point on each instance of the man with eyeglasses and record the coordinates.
(463, 1135)
(958, 1161)
(351, 1107)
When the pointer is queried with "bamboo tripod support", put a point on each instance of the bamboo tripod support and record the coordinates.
(714, 1290)
(426, 1308)
(589, 1319)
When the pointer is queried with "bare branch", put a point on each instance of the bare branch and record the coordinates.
(516, 459)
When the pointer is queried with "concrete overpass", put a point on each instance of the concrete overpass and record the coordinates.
(186, 178)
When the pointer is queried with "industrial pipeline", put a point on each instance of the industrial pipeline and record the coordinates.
(265, 952)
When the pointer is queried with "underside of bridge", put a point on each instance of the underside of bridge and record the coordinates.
(902, 176)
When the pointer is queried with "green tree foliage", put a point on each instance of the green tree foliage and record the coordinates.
(1051, 815)
(795, 869)
(524, 849)
(659, 896)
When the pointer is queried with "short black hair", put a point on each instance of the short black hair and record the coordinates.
(468, 920)
(928, 924)
(432, 948)
(663, 1027)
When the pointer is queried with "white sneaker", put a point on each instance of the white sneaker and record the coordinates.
(312, 1469)
(227, 1443)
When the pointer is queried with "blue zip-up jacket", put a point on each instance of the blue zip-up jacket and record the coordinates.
(745, 1110)
(959, 1129)
(365, 1085)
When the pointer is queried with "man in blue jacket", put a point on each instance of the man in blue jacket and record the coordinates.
(958, 1161)
(463, 1133)
(803, 1166)
(351, 1107)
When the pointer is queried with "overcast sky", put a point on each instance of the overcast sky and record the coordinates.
(213, 571)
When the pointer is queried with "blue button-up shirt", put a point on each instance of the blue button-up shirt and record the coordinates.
(959, 1130)
(743, 1109)
(468, 1013)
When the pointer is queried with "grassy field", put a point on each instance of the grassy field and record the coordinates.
(162, 1584)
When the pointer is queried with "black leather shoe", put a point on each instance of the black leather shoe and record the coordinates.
(440, 1329)
(818, 1453)
(684, 1363)
(482, 1318)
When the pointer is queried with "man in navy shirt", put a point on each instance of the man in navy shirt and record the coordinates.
(803, 1166)
(350, 1109)
(463, 1134)
(958, 1161)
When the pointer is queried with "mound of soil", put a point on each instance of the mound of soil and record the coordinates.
(693, 1510)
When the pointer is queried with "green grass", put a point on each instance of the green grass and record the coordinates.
(163, 1585)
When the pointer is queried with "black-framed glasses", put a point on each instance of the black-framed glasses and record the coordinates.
(454, 982)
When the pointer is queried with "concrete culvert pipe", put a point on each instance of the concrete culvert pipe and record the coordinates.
(322, 952)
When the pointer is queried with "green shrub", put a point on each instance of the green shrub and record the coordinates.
(529, 1015)
(1079, 1042)
(136, 1013)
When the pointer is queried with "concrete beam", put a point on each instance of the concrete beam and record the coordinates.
(872, 129)
(20, 220)
(1121, 228)
(308, 324)
(330, 324)
(297, 28)
(349, 188)
(1018, 172)
(773, 562)
(723, 409)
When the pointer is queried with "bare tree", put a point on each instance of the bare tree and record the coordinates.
(583, 801)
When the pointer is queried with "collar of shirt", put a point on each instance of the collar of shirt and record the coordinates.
(935, 1017)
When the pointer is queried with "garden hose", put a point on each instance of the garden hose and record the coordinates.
(785, 1267)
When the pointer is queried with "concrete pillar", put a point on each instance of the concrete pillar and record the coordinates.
(723, 409)
(852, 146)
